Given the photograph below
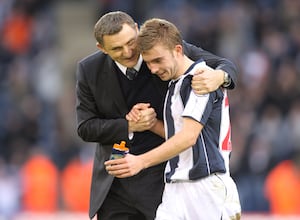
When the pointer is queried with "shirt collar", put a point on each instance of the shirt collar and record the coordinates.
(136, 67)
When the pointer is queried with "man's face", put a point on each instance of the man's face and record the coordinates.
(162, 62)
(121, 47)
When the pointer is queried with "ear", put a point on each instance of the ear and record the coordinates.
(100, 47)
(178, 49)
(137, 27)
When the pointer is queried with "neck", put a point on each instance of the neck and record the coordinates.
(185, 64)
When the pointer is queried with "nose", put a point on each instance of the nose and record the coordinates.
(127, 51)
(153, 68)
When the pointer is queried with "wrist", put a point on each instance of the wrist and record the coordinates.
(130, 127)
(142, 162)
(226, 80)
(158, 128)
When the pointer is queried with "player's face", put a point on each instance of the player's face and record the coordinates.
(162, 62)
(121, 47)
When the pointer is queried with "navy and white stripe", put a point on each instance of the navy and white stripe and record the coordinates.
(204, 157)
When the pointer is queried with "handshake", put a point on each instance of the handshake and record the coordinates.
(143, 117)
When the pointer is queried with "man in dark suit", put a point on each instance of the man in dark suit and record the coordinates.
(105, 95)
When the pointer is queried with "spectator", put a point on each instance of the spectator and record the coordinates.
(282, 186)
(39, 177)
(75, 185)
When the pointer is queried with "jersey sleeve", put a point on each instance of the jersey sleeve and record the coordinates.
(198, 107)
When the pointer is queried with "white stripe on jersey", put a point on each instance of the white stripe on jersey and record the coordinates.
(225, 132)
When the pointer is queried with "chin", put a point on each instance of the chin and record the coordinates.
(164, 78)
(131, 63)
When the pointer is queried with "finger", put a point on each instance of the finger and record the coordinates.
(124, 175)
(133, 116)
(117, 172)
(128, 117)
(147, 111)
(198, 77)
(198, 71)
(201, 91)
(141, 106)
(151, 123)
(148, 114)
(136, 114)
(116, 169)
(114, 162)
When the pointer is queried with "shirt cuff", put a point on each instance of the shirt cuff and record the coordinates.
(130, 135)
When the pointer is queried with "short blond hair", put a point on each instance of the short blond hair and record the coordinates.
(158, 30)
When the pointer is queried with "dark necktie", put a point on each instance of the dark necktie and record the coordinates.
(131, 73)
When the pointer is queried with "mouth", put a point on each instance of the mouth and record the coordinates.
(161, 75)
(132, 59)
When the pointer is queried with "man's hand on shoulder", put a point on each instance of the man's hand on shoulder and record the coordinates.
(207, 80)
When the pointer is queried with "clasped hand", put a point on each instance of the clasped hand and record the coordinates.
(141, 117)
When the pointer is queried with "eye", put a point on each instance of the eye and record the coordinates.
(130, 43)
(117, 49)
(158, 60)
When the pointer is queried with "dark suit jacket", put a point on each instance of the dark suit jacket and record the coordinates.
(101, 110)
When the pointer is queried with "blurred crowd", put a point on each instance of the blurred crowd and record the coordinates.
(37, 154)
(43, 167)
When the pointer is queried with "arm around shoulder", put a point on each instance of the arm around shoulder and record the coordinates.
(213, 61)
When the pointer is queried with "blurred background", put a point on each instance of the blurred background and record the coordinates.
(46, 168)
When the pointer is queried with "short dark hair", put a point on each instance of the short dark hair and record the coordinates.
(111, 23)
